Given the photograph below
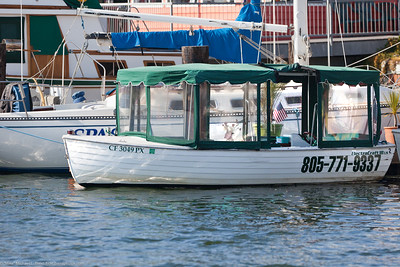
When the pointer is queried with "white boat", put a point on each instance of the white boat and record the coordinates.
(58, 70)
(396, 135)
(157, 145)
(67, 59)
(52, 77)
(31, 141)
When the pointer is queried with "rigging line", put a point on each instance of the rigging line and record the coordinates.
(82, 21)
(382, 74)
(144, 22)
(52, 60)
(32, 135)
(120, 64)
(264, 51)
(260, 42)
(383, 50)
(274, 33)
(37, 66)
(58, 48)
(340, 32)
(138, 28)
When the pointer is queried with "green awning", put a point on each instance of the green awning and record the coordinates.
(350, 76)
(196, 73)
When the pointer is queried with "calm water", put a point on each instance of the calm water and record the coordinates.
(45, 221)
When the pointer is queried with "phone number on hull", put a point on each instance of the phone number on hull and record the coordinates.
(341, 163)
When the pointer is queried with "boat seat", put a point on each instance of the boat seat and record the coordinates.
(297, 140)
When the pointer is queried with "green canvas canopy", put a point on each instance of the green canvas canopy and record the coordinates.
(350, 76)
(314, 94)
(196, 73)
(240, 73)
(315, 90)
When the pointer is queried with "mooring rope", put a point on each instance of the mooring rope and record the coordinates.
(32, 135)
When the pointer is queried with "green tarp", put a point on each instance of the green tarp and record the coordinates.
(240, 73)
(351, 76)
(196, 74)
(87, 3)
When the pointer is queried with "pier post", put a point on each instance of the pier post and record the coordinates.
(195, 54)
(199, 54)
(2, 67)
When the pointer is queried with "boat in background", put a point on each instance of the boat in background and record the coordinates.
(31, 136)
(157, 145)
(67, 60)
(67, 81)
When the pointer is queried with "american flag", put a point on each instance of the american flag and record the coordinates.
(279, 113)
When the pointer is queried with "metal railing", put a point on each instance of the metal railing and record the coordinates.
(349, 18)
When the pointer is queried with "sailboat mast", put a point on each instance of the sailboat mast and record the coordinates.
(243, 25)
(328, 30)
(22, 42)
(301, 46)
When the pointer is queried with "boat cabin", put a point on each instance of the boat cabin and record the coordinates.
(233, 106)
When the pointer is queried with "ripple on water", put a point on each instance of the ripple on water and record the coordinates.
(303, 225)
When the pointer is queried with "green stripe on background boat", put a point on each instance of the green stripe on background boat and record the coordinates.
(87, 3)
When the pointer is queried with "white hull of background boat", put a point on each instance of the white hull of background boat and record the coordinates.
(396, 135)
(34, 143)
(133, 160)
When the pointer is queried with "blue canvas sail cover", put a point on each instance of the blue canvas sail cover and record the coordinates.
(224, 44)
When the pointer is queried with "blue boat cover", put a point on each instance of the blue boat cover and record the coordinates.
(19, 106)
(224, 44)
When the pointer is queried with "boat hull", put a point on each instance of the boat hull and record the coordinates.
(138, 162)
(396, 135)
(34, 143)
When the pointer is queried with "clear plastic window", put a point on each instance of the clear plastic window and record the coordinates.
(172, 111)
(132, 109)
(232, 113)
(344, 113)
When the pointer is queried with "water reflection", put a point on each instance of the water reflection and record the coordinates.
(303, 225)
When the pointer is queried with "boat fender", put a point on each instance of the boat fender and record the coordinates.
(79, 97)
(111, 92)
